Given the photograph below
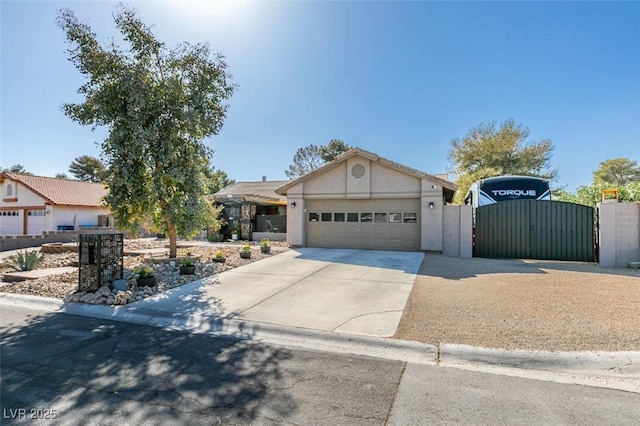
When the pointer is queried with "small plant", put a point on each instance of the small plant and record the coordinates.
(246, 247)
(25, 260)
(187, 261)
(144, 271)
(265, 242)
(219, 254)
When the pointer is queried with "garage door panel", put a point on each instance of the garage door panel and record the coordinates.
(367, 235)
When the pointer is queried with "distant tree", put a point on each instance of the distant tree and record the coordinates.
(591, 195)
(18, 168)
(218, 180)
(617, 171)
(61, 176)
(158, 105)
(330, 151)
(490, 150)
(88, 169)
(311, 157)
(306, 160)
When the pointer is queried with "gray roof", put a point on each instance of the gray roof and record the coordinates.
(263, 192)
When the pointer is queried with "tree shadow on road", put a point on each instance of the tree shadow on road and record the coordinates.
(102, 372)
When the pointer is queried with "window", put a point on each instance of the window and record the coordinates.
(410, 218)
(366, 217)
(314, 217)
(326, 217)
(395, 217)
(9, 190)
(338, 217)
(380, 218)
(352, 217)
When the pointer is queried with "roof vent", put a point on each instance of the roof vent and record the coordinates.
(357, 171)
(264, 178)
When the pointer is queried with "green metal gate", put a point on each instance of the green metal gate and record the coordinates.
(532, 229)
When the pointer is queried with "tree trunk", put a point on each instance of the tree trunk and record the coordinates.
(173, 243)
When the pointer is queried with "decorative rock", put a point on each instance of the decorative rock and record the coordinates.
(110, 300)
(120, 285)
(100, 300)
(104, 291)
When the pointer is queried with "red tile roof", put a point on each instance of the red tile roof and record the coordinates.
(62, 191)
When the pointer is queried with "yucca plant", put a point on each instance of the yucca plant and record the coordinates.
(25, 260)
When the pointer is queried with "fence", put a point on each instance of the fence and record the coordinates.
(271, 223)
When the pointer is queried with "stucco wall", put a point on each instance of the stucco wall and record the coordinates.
(85, 216)
(619, 234)
(457, 233)
(25, 197)
(295, 216)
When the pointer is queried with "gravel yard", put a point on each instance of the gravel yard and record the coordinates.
(168, 277)
(523, 304)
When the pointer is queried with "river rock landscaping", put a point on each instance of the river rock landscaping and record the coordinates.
(65, 286)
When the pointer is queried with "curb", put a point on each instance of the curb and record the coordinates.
(615, 370)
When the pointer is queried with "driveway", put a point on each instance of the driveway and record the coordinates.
(341, 290)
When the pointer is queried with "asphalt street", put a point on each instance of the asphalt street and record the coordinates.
(64, 369)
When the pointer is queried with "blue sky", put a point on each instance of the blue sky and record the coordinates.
(399, 79)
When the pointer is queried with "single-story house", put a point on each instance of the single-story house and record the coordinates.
(254, 209)
(362, 200)
(34, 205)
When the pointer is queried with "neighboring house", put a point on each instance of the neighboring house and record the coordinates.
(33, 205)
(361, 200)
(255, 208)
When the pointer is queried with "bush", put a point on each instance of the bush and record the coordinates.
(25, 260)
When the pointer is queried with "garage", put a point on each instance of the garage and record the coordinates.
(364, 201)
(382, 224)
(10, 222)
(36, 222)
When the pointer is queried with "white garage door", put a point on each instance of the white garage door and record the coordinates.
(387, 224)
(10, 222)
(35, 222)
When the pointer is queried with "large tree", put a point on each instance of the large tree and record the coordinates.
(158, 105)
(330, 151)
(306, 160)
(88, 169)
(17, 168)
(218, 179)
(311, 157)
(491, 150)
(617, 171)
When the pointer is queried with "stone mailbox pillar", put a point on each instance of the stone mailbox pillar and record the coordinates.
(101, 260)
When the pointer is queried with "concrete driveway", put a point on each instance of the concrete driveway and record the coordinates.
(341, 290)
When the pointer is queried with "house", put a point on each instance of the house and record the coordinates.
(254, 209)
(362, 200)
(34, 205)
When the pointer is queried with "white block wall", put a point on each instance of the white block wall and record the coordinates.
(619, 234)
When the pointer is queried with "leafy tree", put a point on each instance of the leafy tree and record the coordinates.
(218, 180)
(18, 168)
(158, 105)
(330, 151)
(306, 160)
(617, 171)
(591, 195)
(488, 150)
(311, 157)
(61, 176)
(88, 169)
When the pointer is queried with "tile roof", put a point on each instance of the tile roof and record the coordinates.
(62, 191)
(262, 190)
